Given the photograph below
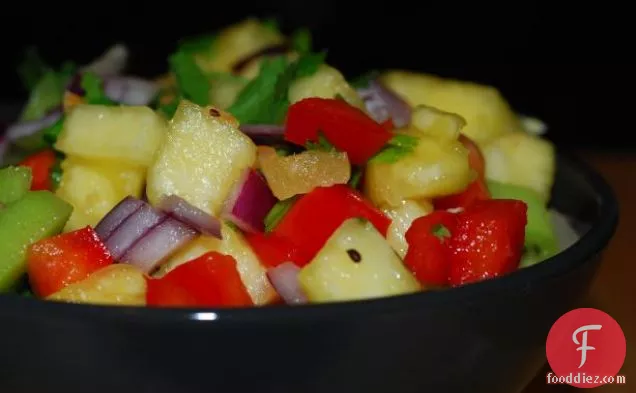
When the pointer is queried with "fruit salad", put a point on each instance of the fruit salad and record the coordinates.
(255, 173)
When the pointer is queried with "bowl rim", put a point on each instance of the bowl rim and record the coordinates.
(589, 245)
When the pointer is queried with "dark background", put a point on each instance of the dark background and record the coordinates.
(567, 65)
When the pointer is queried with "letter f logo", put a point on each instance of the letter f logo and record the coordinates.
(584, 347)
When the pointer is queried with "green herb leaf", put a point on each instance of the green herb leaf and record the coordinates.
(56, 170)
(192, 82)
(278, 212)
(215, 77)
(171, 108)
(323, 144)
(94, 90)
(201, 45)
(272, 24)
(441, 232)
(356, 176)
(32, 68)
(398, 147)
(301, 41)
(51, 133)
(363, 80)
(308, 64)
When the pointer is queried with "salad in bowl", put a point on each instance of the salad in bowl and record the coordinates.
(255, 173)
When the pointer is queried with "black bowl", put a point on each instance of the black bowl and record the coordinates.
(484, 337)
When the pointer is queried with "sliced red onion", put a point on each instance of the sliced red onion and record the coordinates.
(132, 229)
(284, 278)
(249, 202)
(274, 50)
(264, 133)
(117, 216)
(130, 90)
(183, 211)
(28, 128)
(383, 104)
(111, 62)
(158, 244)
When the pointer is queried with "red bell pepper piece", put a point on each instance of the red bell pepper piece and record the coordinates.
(41, 164)
(427, 255)
(316, 216)
(475, 156)
(346, 127)
(56, 262)
(388, 124)
(487, 241)
(476, 191)
(208, 281)
(272, 249)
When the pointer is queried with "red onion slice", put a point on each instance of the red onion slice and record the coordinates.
(383, 104)
(158, 244)
(28, 128)
(111, 62)
(132, 229)
(130, 90)
(249, 202)
(264, 133)
(284, 278)
(117, 216)
(183, 211)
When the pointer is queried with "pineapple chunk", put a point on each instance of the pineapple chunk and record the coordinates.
(522, 159)
(486, 112)
(94, 188)
(444, 126)
(326, 82)
(225, 92)
(119, 284)
(201, 160)
(126, 134)
(434, 168)
(252, 272)
(401, 219)
(355, 263)
(237, 42)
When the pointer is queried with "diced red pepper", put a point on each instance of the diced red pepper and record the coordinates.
(273, 250)
(346, 127)
(316, 216)
(476, 191)
(487, 241)
(56, 262)
(388, 124)
(41, 164)
(427, 255)
(475, 157)
(208, 281)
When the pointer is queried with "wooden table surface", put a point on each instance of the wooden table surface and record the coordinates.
(614, 289)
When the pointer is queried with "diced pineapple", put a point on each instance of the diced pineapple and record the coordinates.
(225, 92)
(252, 272)
(95, 187)
(486, 112)
(522, 159)
(326, 82)
(433, 169)
(402, 217)
(236, 42)
(202, 158)
(119, 284)
(356, 263)
(125, 134)
(444, 126)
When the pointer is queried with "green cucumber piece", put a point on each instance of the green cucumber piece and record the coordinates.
(37, 215)
(15, 182)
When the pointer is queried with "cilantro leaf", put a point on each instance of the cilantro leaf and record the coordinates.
(170, 108)
(93, 87)
(398, 147)
(308, 64)
(192, 82)
(32, 68)
(56, 170)
(356, 176)
(278, 212)
(301, 41)
(363, 80)
(51, 133)
(323, 144)
(441, 232)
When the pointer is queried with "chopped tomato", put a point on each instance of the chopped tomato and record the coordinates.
(316, 215)
(476, 191)
(475, 157)
(273, 250)
(427, 255)
(208, 281)
(487, 241)
(346, 127)
(388, 124)
(41, 164)
(58, 261)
